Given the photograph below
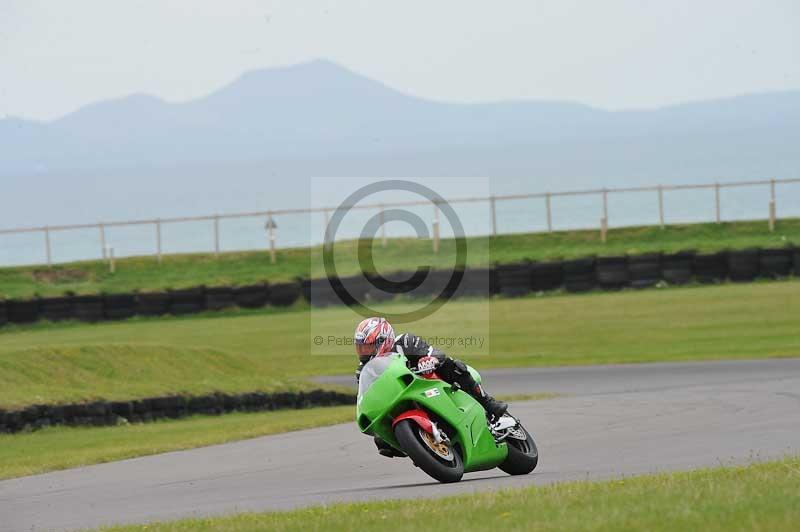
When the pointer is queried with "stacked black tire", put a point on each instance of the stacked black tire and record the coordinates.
(155, 304)
(612, 273)
(645, 270)
(23, 311)
(579, 275)
(514, 280)
(777, 263)
(187, 301)
(796, 262)
(119, 306)
(711, 267)
(677, 268)
(743, 264)
(219, 298)
(251, 296)
(546, 276)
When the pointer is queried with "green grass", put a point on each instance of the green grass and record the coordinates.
(176, 271)
(110, 371)
(56, 448)
(266, 350)
(760, 497)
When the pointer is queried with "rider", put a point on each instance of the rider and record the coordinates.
(375, 337)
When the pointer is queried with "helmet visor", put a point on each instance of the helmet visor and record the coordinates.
(366, 350)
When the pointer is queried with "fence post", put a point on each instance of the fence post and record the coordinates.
(103, 240)
(112, 265)
(325, 243)
(716, 195)
(47, 246)
(435, 229)
(271, 232)
(549, 213)
(604, 220)
(158, 239)
(494, 215)
(216, 235)
(772, 205)
(661, 205)
(383, 227)
(603, 229)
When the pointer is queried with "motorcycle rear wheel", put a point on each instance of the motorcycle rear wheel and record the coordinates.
(423, 454)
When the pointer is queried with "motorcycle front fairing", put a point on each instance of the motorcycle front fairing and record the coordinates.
(387, 388)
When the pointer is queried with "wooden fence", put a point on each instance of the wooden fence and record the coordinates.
(269, 216)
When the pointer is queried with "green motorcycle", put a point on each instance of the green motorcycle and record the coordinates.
(441, 428)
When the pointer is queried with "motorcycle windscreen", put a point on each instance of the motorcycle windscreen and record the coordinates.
(371, 371)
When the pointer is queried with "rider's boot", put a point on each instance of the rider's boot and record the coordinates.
(493, 407)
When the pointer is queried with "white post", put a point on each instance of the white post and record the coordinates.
(112, 265)
(103, 239)
(271, 232)
(494, 215)
(716, 196)
(435, 229)
(47, 246)
(603, 229)
(158, 240)
(661, 205)
(216, 235)
(549, 213)
(772, 205)
(605, 205)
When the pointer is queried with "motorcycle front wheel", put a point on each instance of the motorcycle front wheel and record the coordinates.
(441, 460)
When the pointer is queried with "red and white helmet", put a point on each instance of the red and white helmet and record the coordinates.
(373, 337)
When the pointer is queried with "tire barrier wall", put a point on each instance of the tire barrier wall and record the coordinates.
(103, 413)
(510, 280)
(108, 307)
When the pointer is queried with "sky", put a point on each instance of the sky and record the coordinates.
(617, 54)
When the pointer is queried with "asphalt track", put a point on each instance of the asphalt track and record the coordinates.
(615, 420)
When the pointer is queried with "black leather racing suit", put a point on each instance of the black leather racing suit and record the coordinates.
(449, 369)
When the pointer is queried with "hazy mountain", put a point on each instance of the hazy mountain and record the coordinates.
(320, 119)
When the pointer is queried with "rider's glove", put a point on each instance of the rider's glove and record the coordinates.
(427, 365)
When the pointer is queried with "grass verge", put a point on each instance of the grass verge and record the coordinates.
(74, 373)
(759, 497)
(178, 271)
(56, 448)
(261, 351)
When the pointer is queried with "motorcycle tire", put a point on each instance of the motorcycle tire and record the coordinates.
(523, 456)
(408, 435)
